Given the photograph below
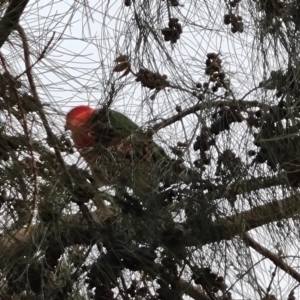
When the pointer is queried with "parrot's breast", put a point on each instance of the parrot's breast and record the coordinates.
(83, 137)
(124, 162)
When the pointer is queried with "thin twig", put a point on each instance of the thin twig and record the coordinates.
(42, 55)
(271, 281)
(41, 112)
(42, 115)
(3, 62)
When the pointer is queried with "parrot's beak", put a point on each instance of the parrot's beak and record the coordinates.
(67, 127)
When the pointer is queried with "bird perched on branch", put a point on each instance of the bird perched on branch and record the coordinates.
(118, 151)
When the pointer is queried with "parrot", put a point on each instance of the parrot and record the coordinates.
(118, 151)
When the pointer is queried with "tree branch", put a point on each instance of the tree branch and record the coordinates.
(253, 218)
(250, 185)
(202, 106)
(276, 259)
(225, 228)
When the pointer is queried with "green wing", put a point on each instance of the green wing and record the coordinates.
(128, 155)
(126, 127)
(123, 124)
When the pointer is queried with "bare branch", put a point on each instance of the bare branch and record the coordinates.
(202, 106)
(276, 259)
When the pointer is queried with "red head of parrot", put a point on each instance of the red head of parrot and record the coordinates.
(78, 121)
